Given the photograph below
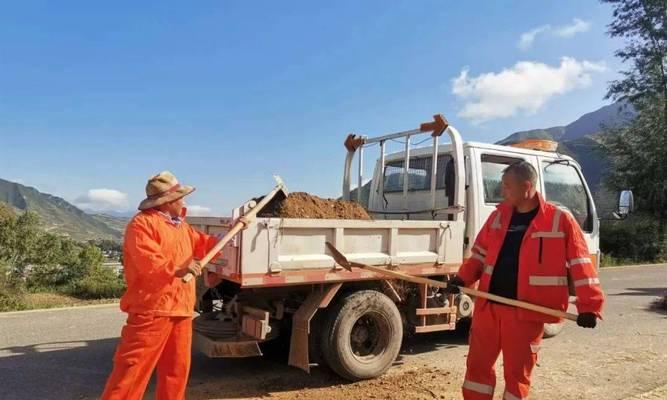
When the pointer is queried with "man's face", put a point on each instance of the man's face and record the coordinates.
(515, 190)
(175, 207)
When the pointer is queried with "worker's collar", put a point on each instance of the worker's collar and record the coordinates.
(176, 221)
(506, 207)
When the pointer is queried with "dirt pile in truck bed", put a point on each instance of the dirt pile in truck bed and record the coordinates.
(304, 205)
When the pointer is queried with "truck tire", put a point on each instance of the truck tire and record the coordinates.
(551, 330)
(362, 335)
(205, 305)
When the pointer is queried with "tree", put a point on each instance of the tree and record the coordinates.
(57, 262)
(643, 24)
(18, 241)
(48, 249)
(638, 152)
(90, 258)
(7, 221)
(69, 252)
(6, 212)
(107, 245)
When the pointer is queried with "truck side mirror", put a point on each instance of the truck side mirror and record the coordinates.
(626, 204)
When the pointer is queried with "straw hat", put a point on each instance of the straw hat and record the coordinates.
(163, 188)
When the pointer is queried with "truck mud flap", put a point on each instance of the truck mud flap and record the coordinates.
(298, 351)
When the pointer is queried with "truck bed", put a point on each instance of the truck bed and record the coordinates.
(284, 251)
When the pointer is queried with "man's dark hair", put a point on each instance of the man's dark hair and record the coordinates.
(524, 171)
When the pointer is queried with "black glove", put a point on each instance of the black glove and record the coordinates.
(453, 285)
(587, 320)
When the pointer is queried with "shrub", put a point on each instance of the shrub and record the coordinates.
(635, 239)
(45, 277)
(99, 283)
(12, 295)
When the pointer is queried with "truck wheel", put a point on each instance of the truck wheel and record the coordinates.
(204, 303)
(463, 326)
(551, 330)
(362, 335)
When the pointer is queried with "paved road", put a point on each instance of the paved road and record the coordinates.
(66, 354)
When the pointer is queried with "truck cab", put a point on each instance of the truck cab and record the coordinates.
(463, 184)
(560, 180)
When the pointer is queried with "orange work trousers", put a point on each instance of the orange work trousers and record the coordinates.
(496, 328)
(146, 342)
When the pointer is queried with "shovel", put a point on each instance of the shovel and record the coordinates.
(249, 217)
(345, 263)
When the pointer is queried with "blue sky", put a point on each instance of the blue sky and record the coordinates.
(95, 98)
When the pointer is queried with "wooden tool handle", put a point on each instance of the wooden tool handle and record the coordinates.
(249, 216)
(521, 304)
(472, 292)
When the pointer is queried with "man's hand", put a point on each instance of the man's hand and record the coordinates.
(195, 268)
(587, 320)
(245, 221)
(453, 285)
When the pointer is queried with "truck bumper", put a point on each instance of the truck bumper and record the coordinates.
(228, 348)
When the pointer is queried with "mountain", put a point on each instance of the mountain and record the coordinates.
(117, 223)
(609, 116)
(581, 138)
(59, 216)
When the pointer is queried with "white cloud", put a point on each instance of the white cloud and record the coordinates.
(103, 200)
(527, 39)
(198, 211)
(17, 180)
(577, 26)
(526, 86)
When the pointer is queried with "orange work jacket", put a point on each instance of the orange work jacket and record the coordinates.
(155, 253)
(553, 254)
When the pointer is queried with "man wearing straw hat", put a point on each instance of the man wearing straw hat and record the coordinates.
(160, 248)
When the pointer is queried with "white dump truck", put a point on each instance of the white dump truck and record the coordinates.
(277, 281)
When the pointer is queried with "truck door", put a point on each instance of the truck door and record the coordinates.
(487, 178)
(565, 186)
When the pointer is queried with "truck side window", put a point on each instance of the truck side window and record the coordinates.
(563, 186)
(419, 173)
(492, 175)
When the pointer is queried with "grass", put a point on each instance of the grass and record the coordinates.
(45, 300)
(35, 301)
(16, 297)
(611, 261)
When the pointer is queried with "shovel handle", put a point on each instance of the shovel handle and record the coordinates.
(521, 304)
(472, 292)
(216, 249)
(250, 216)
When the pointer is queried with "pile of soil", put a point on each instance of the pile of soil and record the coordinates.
(304, 205)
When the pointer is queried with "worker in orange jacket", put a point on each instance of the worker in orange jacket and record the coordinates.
(159, 249)
(527, 250)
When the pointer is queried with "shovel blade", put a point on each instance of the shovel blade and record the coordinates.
(339, 257)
